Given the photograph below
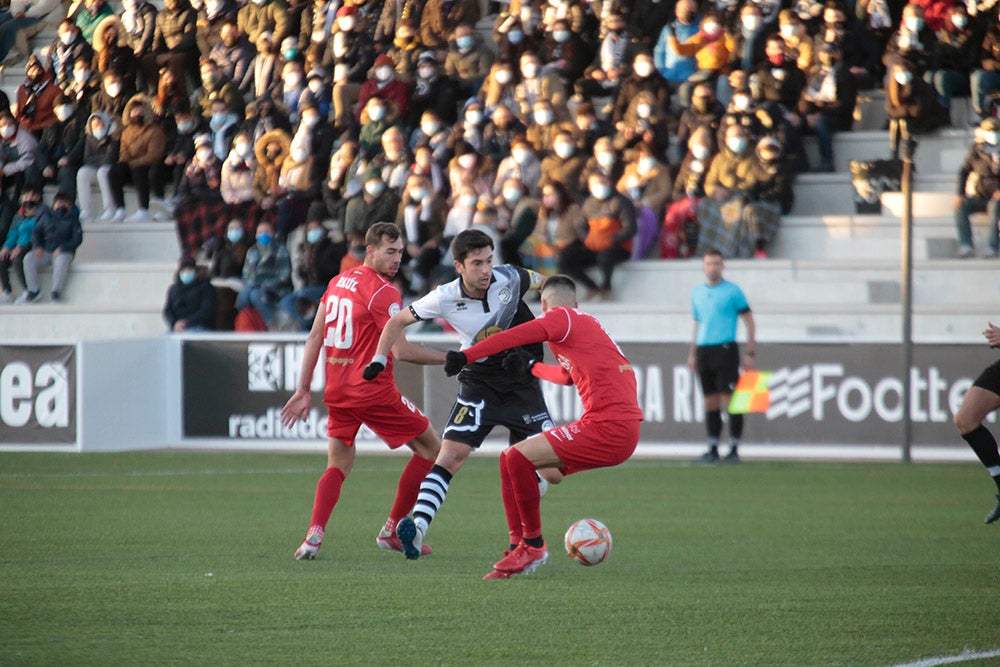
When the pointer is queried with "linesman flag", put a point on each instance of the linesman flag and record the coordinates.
(752, 393)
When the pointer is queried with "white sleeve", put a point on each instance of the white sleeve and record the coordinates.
(428, 306)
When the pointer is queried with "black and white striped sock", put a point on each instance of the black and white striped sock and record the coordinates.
(433, 491)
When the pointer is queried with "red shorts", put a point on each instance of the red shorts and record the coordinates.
(397, 422)
(586, 444)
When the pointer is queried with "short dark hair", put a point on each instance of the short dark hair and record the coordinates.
(63, 196)
(560, 281)
(712, 252)
(378, 233)
(468, 241)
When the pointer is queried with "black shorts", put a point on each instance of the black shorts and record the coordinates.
(718, 367)
(989, 379)
(478, 408)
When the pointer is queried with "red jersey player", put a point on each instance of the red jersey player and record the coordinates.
(606, 434)
(354, 309)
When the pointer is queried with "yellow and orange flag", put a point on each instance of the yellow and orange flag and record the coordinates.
(751, 393)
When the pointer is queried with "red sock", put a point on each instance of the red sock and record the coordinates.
(327, 495)
(509, 501)
(525, 483)
(409, 486)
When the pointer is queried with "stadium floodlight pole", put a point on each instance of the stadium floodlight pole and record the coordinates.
(907, 293)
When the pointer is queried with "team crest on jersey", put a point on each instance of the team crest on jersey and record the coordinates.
(504, 295)
(393, 309)
(487, 332)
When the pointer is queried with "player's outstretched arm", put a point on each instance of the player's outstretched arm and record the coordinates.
(404, 350)
(992, 334)
(390, 334)
(299, 404)
(523, 334)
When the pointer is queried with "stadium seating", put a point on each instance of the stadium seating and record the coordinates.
(832, 275)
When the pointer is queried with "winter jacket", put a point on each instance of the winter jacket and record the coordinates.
(567, 172)
(653, 188)
(88, 20)
(22, 228)
(608, 222)
(270, 269)
(319, 262)
(140, 28)
(176, 30)
(654, 84)
(362, 213)
(980, 173)
(142, 145)
(712, 56)
(437, 25)
(674, 67)
(62, 57)
(236, 185)
(916, 103)
(958, 49)
(468, 66)
(421, 224)
(841, 108)
(194, 303)
(200, 182)
(780, 83)
(34, 104)
(736, 173)
(265, 179)
(59, 231)
(269, 16)
(62, 140)
(18, 152)
(690, 180)
(395, 91)
(236, 63)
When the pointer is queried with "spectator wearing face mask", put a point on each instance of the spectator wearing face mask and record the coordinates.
(604, 239)
(213, 17)
(604, 160)
(180, 143)
(432, 134)
(470, 127)
(674, 67)
(393, 13)
(68, 47)
(544, 126)
(55, 239)
(349, 55)
(236, 182)
(175, 44)
(588, 128)
(647, 184)
(711, 47)
(778, 78)
(384, 84)
(679, 236)
(440, 19)
(404, 51)
(143, 147)
(537, 85)
(564, 52)
(35, 97)
(567, 10)
(978, 188)
(271, 150)
(267, 275)
(199, 213)
(827, 102)
(296, 187)
(421, 219)
(511, 41)
(288, 91)
(798, 41)
(217, 86)
(912, 106)
(467, 62)
(749, 35)
(139, 23)
(643, 79)
(17, 245)
(643, 122)
(375, 203)
(517, 213)
(523, 164)
(499, 87)
(914, 40)
(705, 111)
(731, 179)
(469, 168)
(563, 164)
(112, 52)
(559, 218)
(190, 302)
(318, 262)
(100, 160)
(431, 91)
(222, 127)
(957, 54)
(265, 69)
(499, 132)
(742, 111)
(394, 161)
(226, 272)
(771, 197)
(111, 98)
(171, 99)
(376, 117)
(60, 149)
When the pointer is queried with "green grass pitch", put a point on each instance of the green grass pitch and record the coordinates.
(186, 558)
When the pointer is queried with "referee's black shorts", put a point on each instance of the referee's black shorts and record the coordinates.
(718, 367)
(989, 379)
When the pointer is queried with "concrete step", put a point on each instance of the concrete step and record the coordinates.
(833, 193)
(70, 322)
(115, 285)
(139, 242)
(874, 145)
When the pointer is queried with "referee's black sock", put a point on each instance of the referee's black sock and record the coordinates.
(713, 423)
(985, 446)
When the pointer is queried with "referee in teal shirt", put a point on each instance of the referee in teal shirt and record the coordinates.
(718, 305)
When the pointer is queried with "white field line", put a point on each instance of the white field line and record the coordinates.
(964, 656)
(162, 473)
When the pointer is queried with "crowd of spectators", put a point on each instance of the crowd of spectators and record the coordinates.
(580, 134)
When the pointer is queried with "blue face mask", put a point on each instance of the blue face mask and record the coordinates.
(264, 239)
(186, 277)
(465, 42)
(314, 235)
(234, 235)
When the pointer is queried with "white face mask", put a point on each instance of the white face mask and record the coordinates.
(606, 159)
(376, 113)
(643, 110)
(564, 150)
(242, 149)
(64, 112)
(700, 152)
(600, 190)
(374, 188)
(711, 28)
(66, 38)
(474, 117)
(902, 77)
(543, 117)
(310, 120)
(315, 85)
(787, 30)
(751, 23)
(646, 164)
(511, 194)
(114, 90)
(292, 80)
(7, 131)
(741, 102)
(529, 71)
(205, 154)
(467, 161)
(737, 144)
(425, 72)
(467, 201)
(300, 155)
(346, 24)
(430, 128)
(503, 76)
(81, 76)
(644, 68)
(959, 21)
(383, 73)
(520, 155)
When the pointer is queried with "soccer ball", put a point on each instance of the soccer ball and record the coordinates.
(588, 541)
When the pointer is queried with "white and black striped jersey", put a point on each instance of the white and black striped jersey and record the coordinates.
(475, 319)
